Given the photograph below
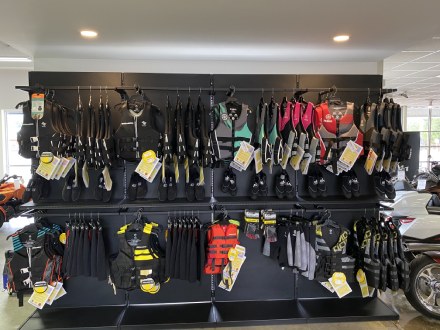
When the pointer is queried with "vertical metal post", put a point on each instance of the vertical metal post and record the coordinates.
(429, 133)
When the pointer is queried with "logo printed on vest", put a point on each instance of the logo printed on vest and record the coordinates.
(43, 124)
(224, 116)
(328, 118)
(144, 123)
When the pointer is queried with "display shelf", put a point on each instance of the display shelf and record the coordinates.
(62, 205)
(175, 316)
(176, 205)
(198, 315)
(347, 310)
(241, 202)
(102, 317)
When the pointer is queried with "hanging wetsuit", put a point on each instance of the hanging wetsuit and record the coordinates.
(368, 126)
(168, 139)
(191, 138)
(285, 125)
(205, 140)
(230, 129)
(139, 129)
(275, 137)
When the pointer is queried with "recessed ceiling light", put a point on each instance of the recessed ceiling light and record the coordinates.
(341, 38)
(438, 76)
(89, 34)
(418, 51)
(435, 38)
(15, 59)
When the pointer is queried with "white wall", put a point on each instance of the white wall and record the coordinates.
(9, 97)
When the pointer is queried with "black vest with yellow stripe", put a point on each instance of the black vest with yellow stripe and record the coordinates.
(140, 262)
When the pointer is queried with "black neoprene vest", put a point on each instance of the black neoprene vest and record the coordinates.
(138, 131)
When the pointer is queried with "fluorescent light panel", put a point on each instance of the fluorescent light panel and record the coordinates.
(15, 59)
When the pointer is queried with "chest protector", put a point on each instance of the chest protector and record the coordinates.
(139, 263)
(331, 253)
(335, 128)
(36, 135)
(138, 131)
(221, 238)
(231, 129)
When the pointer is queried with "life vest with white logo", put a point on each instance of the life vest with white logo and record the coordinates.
(335, 128)
(231, 129)
(138, 131)
(221, 238)
(37, 135)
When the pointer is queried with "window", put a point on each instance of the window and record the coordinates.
(419, 120)
(15, 164)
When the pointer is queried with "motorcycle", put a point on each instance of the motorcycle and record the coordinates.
(417, 215)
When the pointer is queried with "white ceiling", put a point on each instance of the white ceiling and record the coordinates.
(414, 72)
(246, 30)
(287, 30)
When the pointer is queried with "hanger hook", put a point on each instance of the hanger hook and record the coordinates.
(262, 92)
(189, 90)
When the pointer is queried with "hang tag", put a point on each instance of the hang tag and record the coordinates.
(237, 257)
(291, 139)
(48, 165)
(286, 156)
(302, 140)
(387, 163)
(108, 182)
(401, 174)
(328, 286)
(234, 165)
(59, 172)
(41, 294)
(176, 168)
(339, 283)
(201, 176)
(258, 161)
(362, 280)
(244, 155)
(85, 175)
(66, 170)
(57, 169)
(350, 154)
(421, 184)
(54, 294)
(305, 163)
(16, 184)
(296, 160)
(37, 106)
(370, 162)
(147, 167)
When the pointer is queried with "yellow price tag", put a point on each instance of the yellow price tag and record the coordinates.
(63, 238)
(339, 278)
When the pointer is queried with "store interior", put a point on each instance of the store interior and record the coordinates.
(235, 164)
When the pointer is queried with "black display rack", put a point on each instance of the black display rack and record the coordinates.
(286, 298)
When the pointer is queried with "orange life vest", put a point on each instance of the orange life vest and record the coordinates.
(221, 238)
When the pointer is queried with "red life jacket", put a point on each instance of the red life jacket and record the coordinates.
(335, 132)
(221, 238)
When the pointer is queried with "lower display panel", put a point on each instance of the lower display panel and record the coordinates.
(205, 314)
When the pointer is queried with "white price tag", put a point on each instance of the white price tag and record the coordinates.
(421, 184)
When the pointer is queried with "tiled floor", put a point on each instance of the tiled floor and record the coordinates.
(11, 316)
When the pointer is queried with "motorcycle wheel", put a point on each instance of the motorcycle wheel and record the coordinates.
(424, 289)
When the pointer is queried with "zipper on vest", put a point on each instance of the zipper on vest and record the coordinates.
(136, 136)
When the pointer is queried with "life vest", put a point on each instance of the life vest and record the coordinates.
(221, 238)
(275, 137)
(168, 139)
(368, 126)
(36, 256)
(140, 262)
(205, 141)
(335, 128)
(37, 135)
(311, 145)
(191, 138)
(231, 129)
(331, 252)
(300, 137)
(138, 130)
(364, 240)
